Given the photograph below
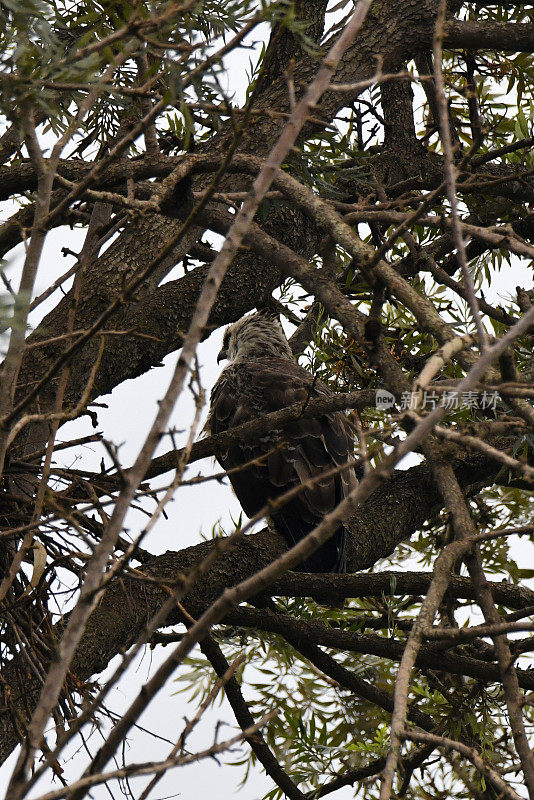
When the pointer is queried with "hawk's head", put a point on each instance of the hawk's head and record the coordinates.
(258, 335)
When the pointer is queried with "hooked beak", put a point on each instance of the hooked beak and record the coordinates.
(223, 355)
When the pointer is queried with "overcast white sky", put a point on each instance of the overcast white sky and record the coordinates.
(194, 511)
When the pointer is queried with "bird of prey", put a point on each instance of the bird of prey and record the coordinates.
(262, 376)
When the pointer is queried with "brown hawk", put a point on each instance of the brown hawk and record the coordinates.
(262, 376)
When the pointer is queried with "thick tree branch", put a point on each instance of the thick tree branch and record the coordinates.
(316, 632)
(390, 515)
(511, 38)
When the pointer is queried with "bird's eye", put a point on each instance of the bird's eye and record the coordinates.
(226, 340)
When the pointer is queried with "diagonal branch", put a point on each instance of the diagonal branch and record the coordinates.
(233, 692)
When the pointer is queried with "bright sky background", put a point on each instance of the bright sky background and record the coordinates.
(194, 512)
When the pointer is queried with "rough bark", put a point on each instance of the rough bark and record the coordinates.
(391, 515)
(396, 32)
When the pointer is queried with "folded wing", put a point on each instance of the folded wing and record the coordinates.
(262, 470)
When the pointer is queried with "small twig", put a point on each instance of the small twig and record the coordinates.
(450, 177)
(470, 753)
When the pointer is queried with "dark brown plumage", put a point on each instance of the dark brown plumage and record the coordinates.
(263, 377)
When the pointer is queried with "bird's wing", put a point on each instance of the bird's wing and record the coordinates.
(283, 459)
